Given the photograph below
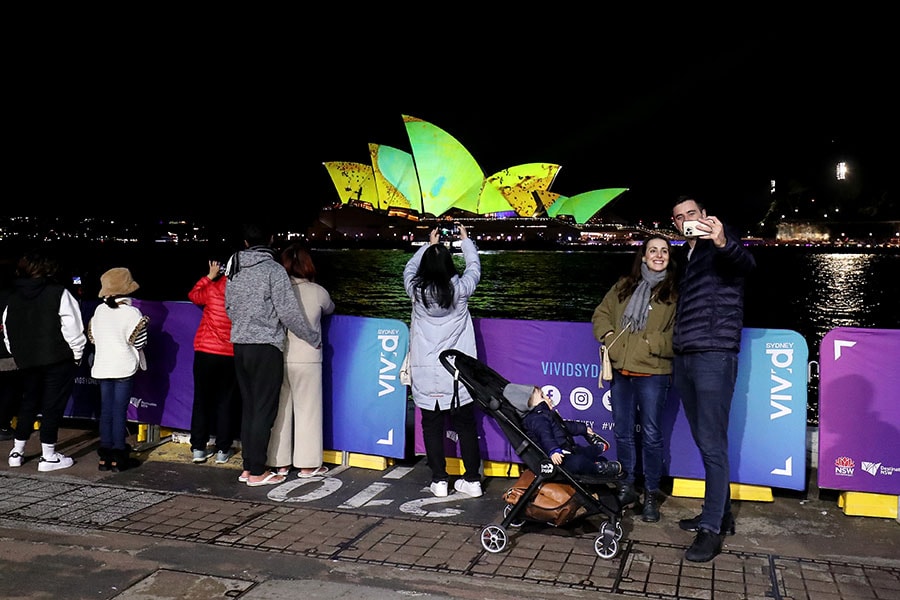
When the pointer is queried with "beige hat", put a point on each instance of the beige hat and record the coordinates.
(117, 282)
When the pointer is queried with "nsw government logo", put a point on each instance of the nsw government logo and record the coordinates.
(843, 466)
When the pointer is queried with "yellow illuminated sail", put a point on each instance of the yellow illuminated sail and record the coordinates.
(353, 181)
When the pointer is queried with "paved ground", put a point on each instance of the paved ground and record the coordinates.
(172, 529)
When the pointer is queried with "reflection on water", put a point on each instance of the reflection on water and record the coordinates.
(840, 294)
(804, 291)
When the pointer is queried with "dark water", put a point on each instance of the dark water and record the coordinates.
(803, 290)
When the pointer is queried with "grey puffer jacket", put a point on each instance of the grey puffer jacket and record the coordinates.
(261, 303)
(710, 313)
(434, 329)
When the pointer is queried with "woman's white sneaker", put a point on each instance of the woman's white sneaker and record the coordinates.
(469, 488)
(54, 463)
(15, 458)
(439, 488)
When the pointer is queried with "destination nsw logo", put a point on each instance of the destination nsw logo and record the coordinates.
(843, 466)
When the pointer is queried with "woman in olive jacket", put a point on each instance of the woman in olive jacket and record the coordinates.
(635, 320)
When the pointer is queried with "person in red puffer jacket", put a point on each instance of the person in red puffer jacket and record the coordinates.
(217, 398)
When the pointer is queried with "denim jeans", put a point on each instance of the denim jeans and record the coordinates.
(114, 397)
(639, 401)
(705, 381)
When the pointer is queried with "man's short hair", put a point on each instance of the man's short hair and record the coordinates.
(257, 234)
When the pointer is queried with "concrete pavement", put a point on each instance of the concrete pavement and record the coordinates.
(172, 529)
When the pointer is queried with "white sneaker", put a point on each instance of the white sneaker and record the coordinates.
(58, 461)
(15, 458)
(469, 488)
(439, 488)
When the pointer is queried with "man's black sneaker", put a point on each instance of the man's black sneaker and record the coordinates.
(705, 546)
(609, 469)
(6, 434)
(650, 513)
(693, 524)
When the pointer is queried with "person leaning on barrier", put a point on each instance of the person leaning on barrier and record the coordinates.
(263, 308)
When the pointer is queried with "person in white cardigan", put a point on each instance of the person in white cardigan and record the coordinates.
(118, 331)
(297, 435)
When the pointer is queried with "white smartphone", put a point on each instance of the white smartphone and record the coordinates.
(689, 229)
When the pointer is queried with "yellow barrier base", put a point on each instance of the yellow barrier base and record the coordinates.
(696, 488)
(501, 469)
(491, 468)
(363, 461)
(864, 504)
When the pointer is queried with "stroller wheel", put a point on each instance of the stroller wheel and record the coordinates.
(606, 546)
(493, 538)
(508, 509)
(607, 525)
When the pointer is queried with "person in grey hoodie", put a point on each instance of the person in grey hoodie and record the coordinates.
(262, 307)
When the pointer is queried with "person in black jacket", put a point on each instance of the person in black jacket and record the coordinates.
(556, 436)
(709, 317)
(44, 332)
(10, 376)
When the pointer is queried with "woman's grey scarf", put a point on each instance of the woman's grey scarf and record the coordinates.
(638, 308)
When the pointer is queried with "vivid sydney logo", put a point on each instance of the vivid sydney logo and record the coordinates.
(441, 174)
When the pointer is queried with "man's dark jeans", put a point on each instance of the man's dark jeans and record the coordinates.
(705, 381)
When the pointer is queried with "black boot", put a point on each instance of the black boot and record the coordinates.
(627, 495)
(705, 546)
(103, 453)
(650, 513)
(123, 458)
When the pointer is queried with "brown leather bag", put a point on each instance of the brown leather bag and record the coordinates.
(555, 503)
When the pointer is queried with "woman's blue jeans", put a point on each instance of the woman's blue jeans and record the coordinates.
(637, 402)
(705, 381)
(114, 397)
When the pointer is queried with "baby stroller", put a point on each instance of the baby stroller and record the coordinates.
(590, 495)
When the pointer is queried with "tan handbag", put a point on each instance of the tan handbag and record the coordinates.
(606, 370)
(555, 503)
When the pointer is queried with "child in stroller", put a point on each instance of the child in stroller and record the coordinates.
(556, 435)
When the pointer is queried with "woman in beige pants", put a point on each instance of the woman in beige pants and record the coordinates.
(297, 433)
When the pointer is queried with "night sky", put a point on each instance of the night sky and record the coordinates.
(223, 133)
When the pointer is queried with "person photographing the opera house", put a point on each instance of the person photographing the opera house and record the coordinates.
(712, 267)
(440, 319)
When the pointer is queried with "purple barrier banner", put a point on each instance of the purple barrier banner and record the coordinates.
(164, 393)
(562, 358)
(365, 405)
(859, 411)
